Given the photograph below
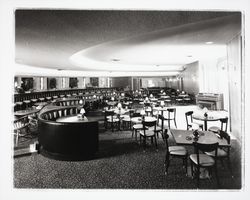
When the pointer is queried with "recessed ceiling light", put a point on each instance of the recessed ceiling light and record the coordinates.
(210, 42)
(190, 56)
(115, 59)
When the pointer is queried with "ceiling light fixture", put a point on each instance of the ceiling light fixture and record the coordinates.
(115, 59)
(190, 56)
(210, 42)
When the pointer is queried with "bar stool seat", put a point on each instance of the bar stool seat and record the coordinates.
(48, 98)
(41, 99)
(34, 100)
(62, 95)
(27, 103)
(18, 105)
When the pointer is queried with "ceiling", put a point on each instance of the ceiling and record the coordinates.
(120, 42)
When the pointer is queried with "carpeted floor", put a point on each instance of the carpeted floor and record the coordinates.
(120, 163)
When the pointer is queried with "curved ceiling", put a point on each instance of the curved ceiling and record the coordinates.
(121, 41)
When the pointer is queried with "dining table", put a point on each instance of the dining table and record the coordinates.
(186, 137)
(211, 116)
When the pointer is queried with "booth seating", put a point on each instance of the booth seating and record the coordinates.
(66, 140)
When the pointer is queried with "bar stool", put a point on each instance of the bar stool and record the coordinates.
(27, 103)
(48, 98)
(55, 97)
(19, 105)
(62, 95)
(33, 101)
(41, 99)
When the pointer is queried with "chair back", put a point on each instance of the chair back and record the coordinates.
(171, 113)
(149, 124)
(21, 123)
(224, 122)
(131, 113)
(136, 115)
(147, 104)
(189, 118)
(109, 113)
(201, 147)
(225, 135)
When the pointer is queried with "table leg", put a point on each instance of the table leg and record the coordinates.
(205, 125)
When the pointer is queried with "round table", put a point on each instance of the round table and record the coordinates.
(162, 109)
(206, 119)
(72, 118)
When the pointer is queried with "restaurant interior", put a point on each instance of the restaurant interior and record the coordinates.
(128, 99)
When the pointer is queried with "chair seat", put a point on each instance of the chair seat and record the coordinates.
(205, 160)
(148, 133)
(177, 150)
(194, 124)
(27, 101)
(126, 119)
(214, 129)
(34, 100)
(138, 126)
(220, 153)
(157, 129)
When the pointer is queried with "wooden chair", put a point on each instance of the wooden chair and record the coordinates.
(136, 127)
(110, 119)
(126, 121)
(174, 152)
(224, 122)
(171, 116)
(223, 153)
(21, 128)
(148, 132)
(189, 121)
(202, 160)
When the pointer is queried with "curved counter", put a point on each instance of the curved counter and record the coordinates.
(66, 141)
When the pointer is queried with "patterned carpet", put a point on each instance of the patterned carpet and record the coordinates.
(120, 163)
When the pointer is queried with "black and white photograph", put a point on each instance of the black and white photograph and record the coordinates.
(143, 99)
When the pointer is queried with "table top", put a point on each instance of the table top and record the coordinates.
(185, 137)
(26, 112)
(138, 120)
(120, 112)
(72, 118)
(161, 108)
(212, 115)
